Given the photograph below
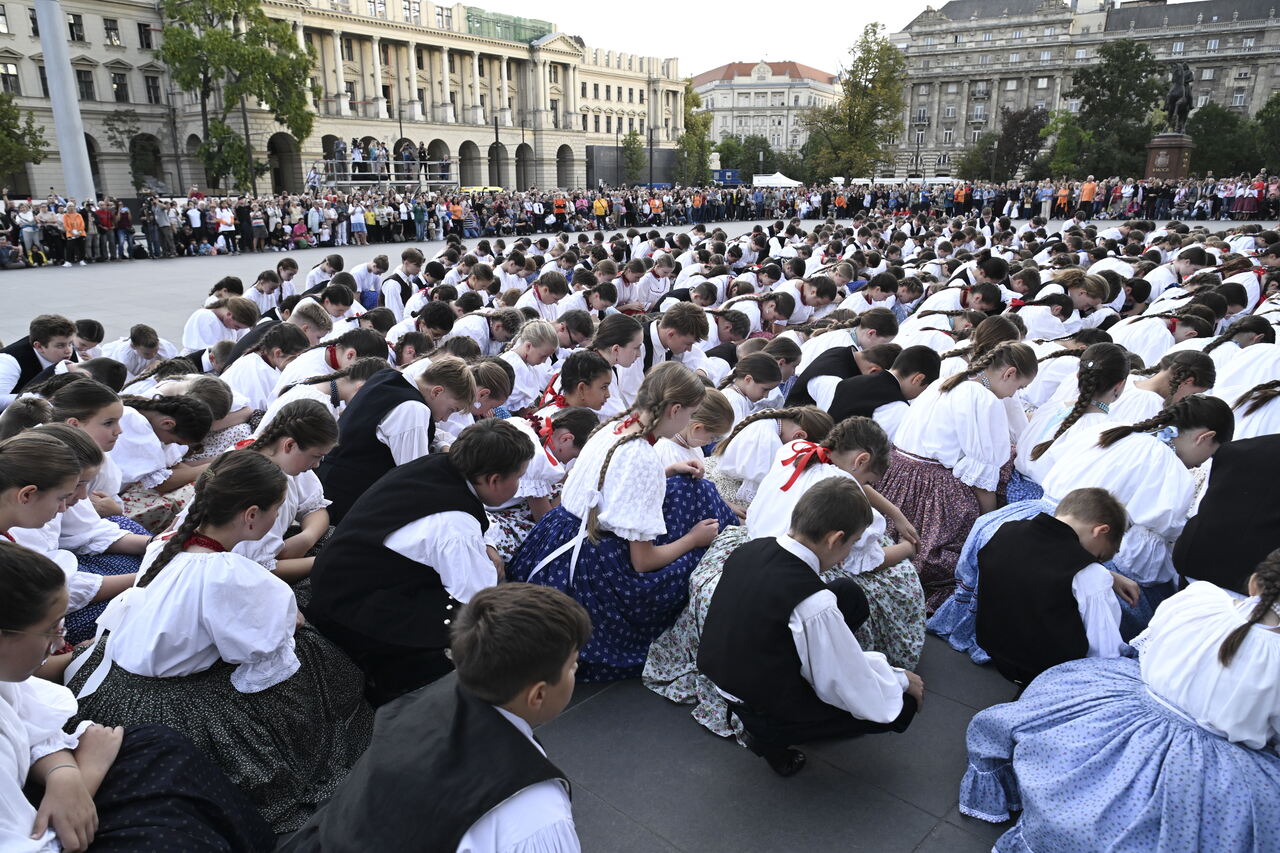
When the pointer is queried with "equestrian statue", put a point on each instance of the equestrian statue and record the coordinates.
(1177, 104)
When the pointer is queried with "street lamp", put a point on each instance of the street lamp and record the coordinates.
(617, 156)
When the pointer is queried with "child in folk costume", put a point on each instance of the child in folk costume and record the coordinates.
(532, 346)
(710, 423)
(987, 335)
(858, 449)
(210, 644)
(1257, 410)
(222, 320)
(493, 378)
(938, 330)
(1242, 333)
(628, 532)
(742, 459)
(778, 643)
(327, 358)
(752, 379)
(464, 747)
(1100, 381)
(764, 310)
(1202, 696)
(559, 437)
(299, 437)
(255, 374)
(869, 329)
(1151, 340)
(107, 787)
(332, 390)
(817, 384)
(1146, 466)
(1057, 360)
(885, 396)
(949, 458)
(619, 340)
(583, 380)
(152, 478)
(1172, 379)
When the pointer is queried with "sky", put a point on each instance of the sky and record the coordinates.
(704, 35)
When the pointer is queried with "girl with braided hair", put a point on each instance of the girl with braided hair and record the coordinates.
(583, 380)
(1257, 409)
(1146, 466)
(255, 378)
(743, 458)
(765, 311)
(1099, 383)
(950, 458)
(333, 390)
(1202, 696)
(1151, 336)
(987, 335)
(882, 575)
(628, 533)
(1057, 360)
(155, 431)
(1173, 378)
(1242, 333)
(559, 438)
(209, 644)
(297, 440)
(753, 378)
(1045, 316)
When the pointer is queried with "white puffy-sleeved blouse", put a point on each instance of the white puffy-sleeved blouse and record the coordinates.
(544, 471)
(1253, 366)
(1179, 658)
(204, 329)
(303, 495)
(138, 454)
(1145, 475)
(965, 429)
(253, 378)
(749, 456)
(1044, 423)
(32, 714)
(202, 608)
(1149, 338)
(630, 500)
(770, 512)
(319, 393)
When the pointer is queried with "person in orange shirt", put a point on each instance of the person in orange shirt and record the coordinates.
(73, 231)
(655, 205)
(1087, 193)
(1064, 198)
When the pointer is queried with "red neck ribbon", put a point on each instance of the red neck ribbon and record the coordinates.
(802, 456)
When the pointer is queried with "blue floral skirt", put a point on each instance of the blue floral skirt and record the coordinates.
(628, 609)
(1094, 762)
(82, 624)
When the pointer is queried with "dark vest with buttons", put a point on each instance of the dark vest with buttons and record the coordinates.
(862, 395)
(360, 459)
(28, 362)
(440, 759)
(1028, 619)
(650, 349)
(746, 647)
(362, 585)
(837, 361)
(406, 289)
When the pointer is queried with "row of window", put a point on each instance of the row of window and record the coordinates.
(85, 84)
(634, 125)
(608, 93)
(988, 36)
(775, 139)
(75, 29)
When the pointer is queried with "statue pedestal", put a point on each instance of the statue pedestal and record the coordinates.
(1169, 157)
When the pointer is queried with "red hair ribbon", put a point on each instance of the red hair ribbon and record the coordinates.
(331, 356)
(964, 297)
(1173, 326)
(542, 426)
(243, 443)
(1016, 303)
(552, 397)
(803, 454)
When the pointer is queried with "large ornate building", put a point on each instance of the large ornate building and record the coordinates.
(764, 99)
(506, 101)
(970, 58)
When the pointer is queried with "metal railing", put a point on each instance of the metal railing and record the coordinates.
(392, 172)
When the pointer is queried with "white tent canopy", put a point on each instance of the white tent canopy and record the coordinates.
(777, 179)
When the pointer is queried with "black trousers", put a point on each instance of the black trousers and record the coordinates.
(164, 794)
(390, 671)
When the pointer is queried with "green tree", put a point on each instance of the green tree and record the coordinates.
(853, 134)
(228, 51)
(1020, 140)
(731, 153)
(693, 146)
(120, 127)
(1070, 144)
(633, 156)
(753, 147)
(1267, 130)
(1226, 142)
(1117, 96)
(975, 163)
(21, 140)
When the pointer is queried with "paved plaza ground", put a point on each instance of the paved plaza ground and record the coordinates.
(646, 777)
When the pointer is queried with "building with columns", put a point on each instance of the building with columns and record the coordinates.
(507, 101)
(968, 59)
(764, 99)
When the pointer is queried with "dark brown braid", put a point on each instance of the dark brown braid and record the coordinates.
(1009, 354)
(1256, 397)
(307, 422)
(231, 484)
(1252, 324)
(1102, 366)
(1193, 411)
(1268, 577)
(815, 423)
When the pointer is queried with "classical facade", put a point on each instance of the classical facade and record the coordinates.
(764, 99)
(970, 58)
(506, 101)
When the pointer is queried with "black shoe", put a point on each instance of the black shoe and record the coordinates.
(784, 760)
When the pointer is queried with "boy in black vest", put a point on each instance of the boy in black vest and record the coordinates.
(874, 395)
(1043, 596)
(411, 549)
(455, 766)
(778, 642)
(48, 341)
